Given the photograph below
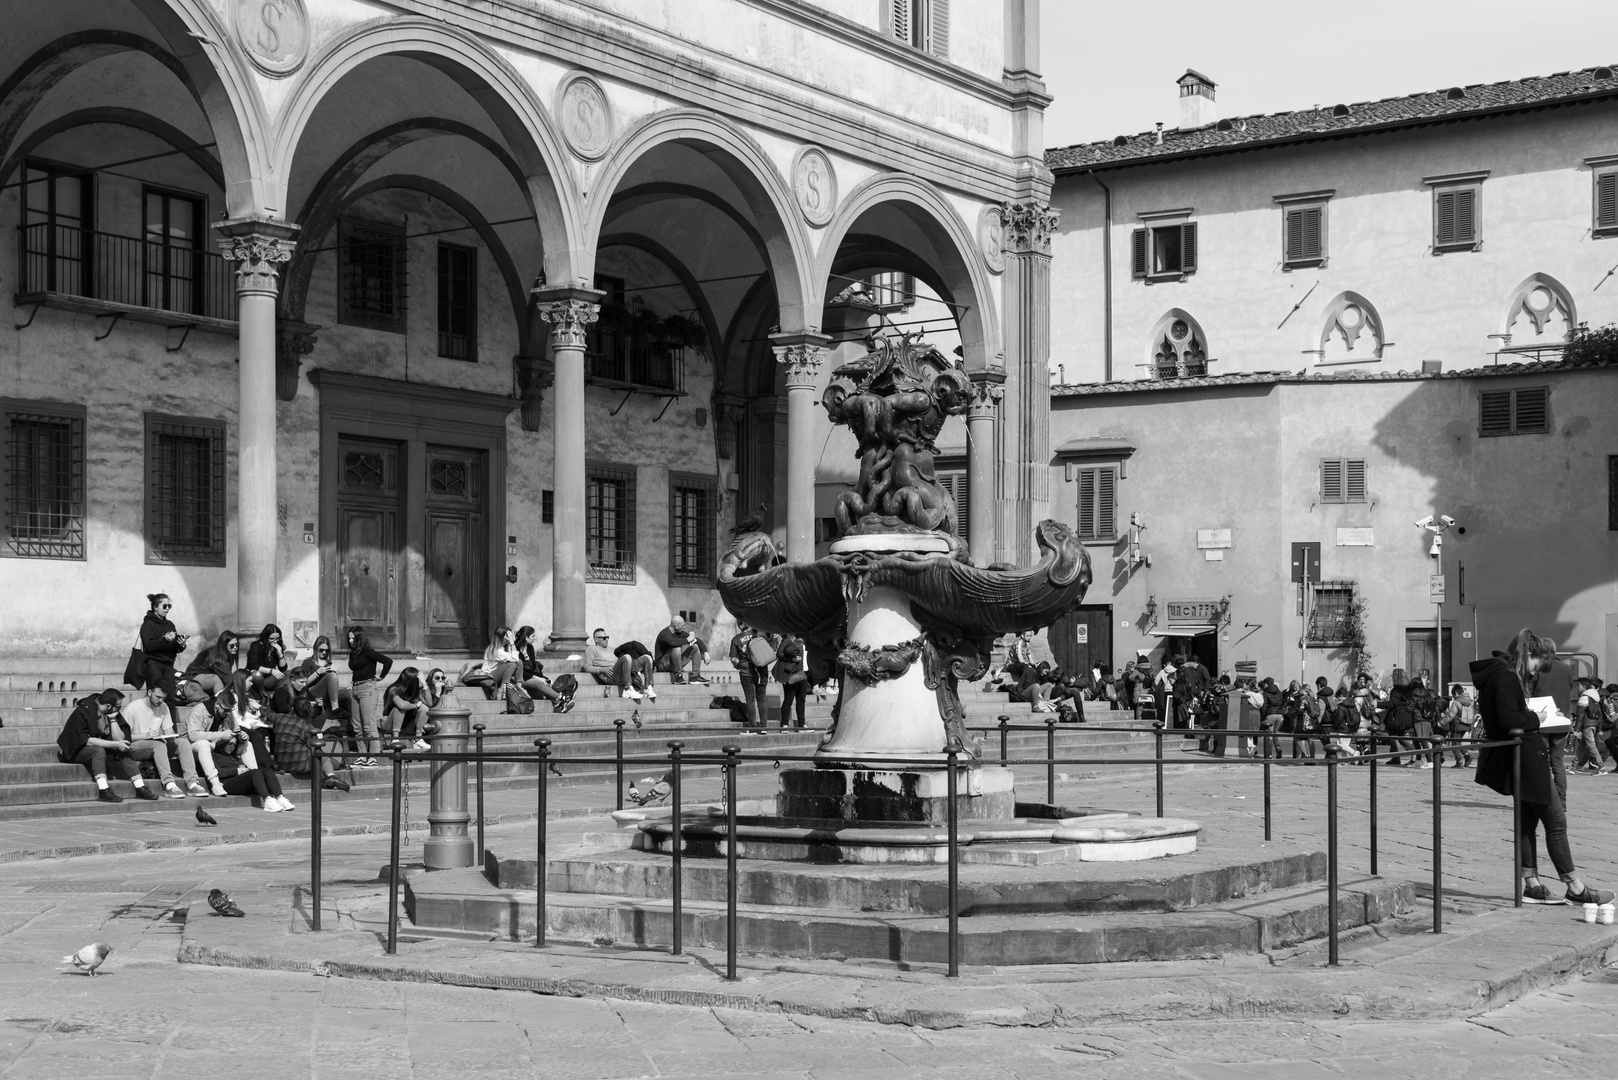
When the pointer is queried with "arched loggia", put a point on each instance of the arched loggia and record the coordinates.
(129, 118)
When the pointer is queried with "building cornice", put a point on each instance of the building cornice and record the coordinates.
(1239, 379)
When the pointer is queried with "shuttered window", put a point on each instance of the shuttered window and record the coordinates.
(1098, 491)
(1305, 236)
(1606, 203)
(1164, 251)
(1525, 411)
(922, 24)
(1342, 480)
(1455, 219)
(955, 484)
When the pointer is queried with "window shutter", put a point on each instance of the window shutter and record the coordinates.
(1494, 412)
(1331, 480)
(1354, 481)
(1106, 493)
(1465, 218)
(1294, 246)
(1087, 504)
(1137, 247)
(1607, 201)
(938, 29)
(1444, 232)
(1311, 233)
(1532, 411)
(901, 19)
(1188, 248)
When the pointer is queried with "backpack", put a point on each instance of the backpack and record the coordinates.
(565, 684)
(760, 652)
(518, 701)
(734, 706)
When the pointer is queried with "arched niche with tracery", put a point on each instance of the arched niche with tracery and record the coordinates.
(1540, 314)
(1351, 331)
(1177, 347)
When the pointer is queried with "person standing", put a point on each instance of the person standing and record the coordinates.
(791, 673)
(1554, 680)
(161, 644)
(365, 693)
(1400, 721)
(1272, 717)
(1458, 719)
(752, 674)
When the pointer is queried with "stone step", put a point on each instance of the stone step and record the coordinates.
(464, 900)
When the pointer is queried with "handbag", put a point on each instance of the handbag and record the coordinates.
(518, 702)
(135, 670)
(760, 652)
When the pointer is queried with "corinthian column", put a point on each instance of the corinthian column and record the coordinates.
(258, 246)
(802, 355)
(988, 388)
(1025, 434)
(570, 312)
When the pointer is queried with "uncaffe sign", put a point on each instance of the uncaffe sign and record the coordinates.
(1193, 613)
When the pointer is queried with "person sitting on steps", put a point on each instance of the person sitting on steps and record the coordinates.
(533, 674)
(151, 726)
(94, 735)
(677, 648)
(632, 674)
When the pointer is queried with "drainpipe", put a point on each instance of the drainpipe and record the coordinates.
(1106, 279)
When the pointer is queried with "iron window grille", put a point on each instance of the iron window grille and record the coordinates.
(693, 529)
(1524, 411)
(374, 275)
(1098, 491)
(185, 491)
(1342, 480)
(609, 522)
(547, 507)
(1330, 613)
(457, 302)
(44, 480)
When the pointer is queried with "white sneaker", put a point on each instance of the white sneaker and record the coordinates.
(651, 694)
(632, 694)
(271, 806)
(423, 744)
(172, 790)
(286, 803)
(215, 788)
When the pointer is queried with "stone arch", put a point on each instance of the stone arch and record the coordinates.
(216, 77)
(130, 118)
(775, 211)
(1540, 312)
(502, 93)
(962, 280)
(1177, 347)
(1346, 319)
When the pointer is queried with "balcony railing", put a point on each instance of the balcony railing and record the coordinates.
(133, 271)
(614, 357)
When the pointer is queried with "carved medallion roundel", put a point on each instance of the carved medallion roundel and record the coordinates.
(585, 116)
(273, 33)
(814, 184)
(992, 237)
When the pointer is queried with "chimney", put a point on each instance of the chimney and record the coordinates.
(1196, 100)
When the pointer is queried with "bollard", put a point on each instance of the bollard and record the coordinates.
(953, 900)
(1050, 760)
(1373, 763)
(1005, 722)
(479, 729)
(542, 755)
(674, 838)
(1438, 847)
(1331, 856)
(618, 753)
(730, 861)
(1157, 737)
(449, 843)
(1516, 816)
(393, 852)
(316, 782)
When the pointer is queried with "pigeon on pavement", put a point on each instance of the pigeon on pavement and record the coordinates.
(656, 790)
(205, 818)
(221, 902)
(90, 957)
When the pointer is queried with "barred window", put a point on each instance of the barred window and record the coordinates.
(1333, 602)
(185, 491)
(373, 275)
(693, 525)
(609, 521)
(457, 302)
(44, 480)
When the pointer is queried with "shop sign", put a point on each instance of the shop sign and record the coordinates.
(1193, 612)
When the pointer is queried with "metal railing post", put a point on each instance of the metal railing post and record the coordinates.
(1438, 847)
(1267, 792)
(674, 840)
(1050, 760)
(393, 846)
(478, 730)
(542, 758)
(618, 753)
(1157, 739)
(1005, 731)
(1331, 856)
(953, 752)
(316, 782)
(1516, 816)
(731, 753)
(1373, 764)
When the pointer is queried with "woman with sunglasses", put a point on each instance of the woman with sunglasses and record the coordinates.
(405, 704)
(161, 643)
(267, 669)
(533, 674)
(315, 681)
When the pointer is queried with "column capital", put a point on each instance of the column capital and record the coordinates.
(258, 245)
(570, 310)
(801, 354)
(1028, 227)
(988, 388)
(293, 341)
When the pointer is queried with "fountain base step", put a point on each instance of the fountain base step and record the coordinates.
(983, 792)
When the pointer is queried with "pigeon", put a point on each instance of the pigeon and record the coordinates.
(634, 718)
(551, 765)
(657, 789)
(90, 957)
(205, 818)
(221, 902)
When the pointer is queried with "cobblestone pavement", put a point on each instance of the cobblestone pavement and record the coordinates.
(149, 1016)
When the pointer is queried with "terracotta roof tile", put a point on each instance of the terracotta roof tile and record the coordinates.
(1249, 132)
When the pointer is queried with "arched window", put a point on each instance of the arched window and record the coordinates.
(1177, 347)
(1350, 331)
(1539, 315)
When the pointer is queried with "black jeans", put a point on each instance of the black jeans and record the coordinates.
(790, 692)
(95, 759)
(1554, 818)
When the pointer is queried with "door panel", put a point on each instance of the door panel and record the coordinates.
(1082, 639)
(1421, 654)
(367, 594)
(457, 577)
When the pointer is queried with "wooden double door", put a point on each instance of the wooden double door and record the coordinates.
(412, 542)
(1082, 639)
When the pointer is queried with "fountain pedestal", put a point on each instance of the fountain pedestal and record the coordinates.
(983, 792)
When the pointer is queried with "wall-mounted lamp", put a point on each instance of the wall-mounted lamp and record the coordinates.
(1224, 610)
(1151, 612)
(511, 574)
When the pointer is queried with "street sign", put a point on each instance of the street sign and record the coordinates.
(1305, 561)
(1435, 589)
(1084, 633)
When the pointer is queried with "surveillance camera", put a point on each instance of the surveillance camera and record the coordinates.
(1424, 522)
(1447, 520)
(1438, 546)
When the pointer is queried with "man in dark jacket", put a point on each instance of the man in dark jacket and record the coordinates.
(95, 733)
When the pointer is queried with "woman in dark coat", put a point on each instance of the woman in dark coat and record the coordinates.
(267, 669)
(1503, 707)
(161, 643)
(1400, 719)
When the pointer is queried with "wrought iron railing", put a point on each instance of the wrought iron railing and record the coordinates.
(137, 271)
(614, 356)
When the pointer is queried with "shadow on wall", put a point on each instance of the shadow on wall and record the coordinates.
(1533, 507)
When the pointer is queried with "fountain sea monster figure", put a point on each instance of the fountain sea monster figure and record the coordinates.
(899, 586)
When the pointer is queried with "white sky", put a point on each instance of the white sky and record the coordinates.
(1111, 66)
